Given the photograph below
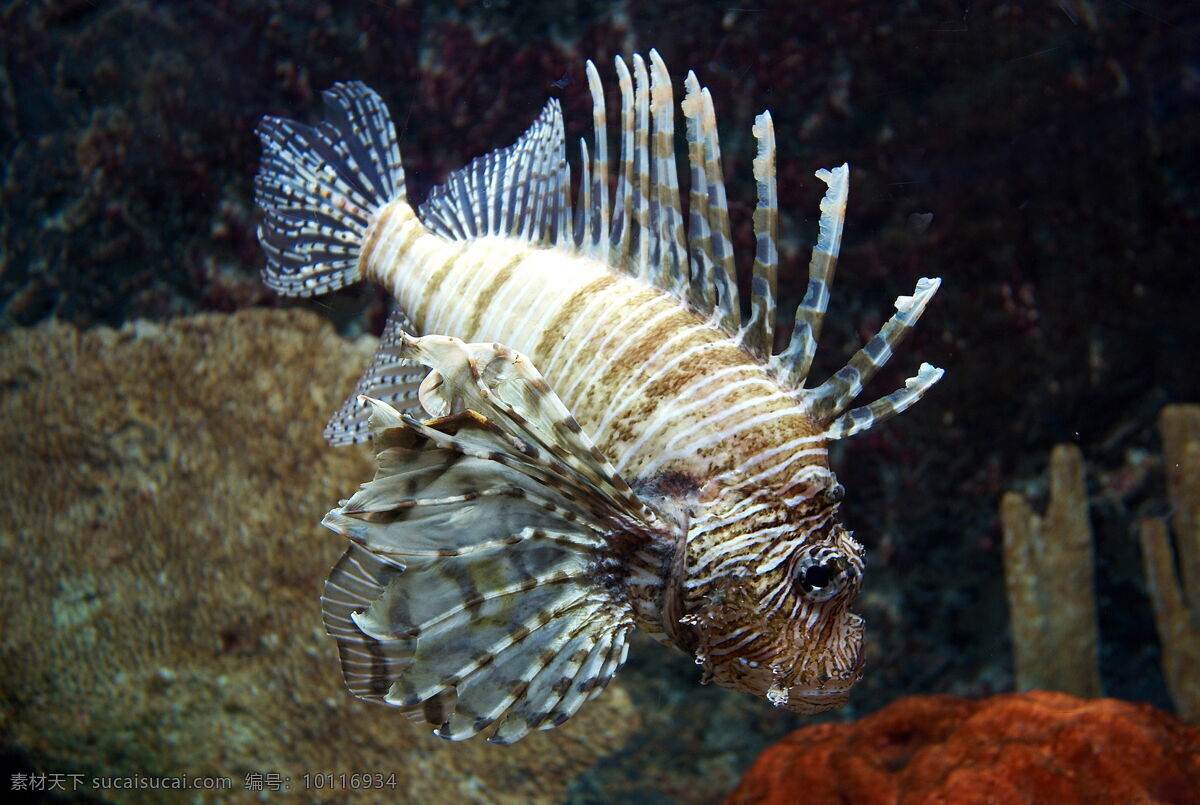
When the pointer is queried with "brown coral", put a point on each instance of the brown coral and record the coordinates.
(1176, 598)
(1048, 571)
(1015, 748)
(163, 563)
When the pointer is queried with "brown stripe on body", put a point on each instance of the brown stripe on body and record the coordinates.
(564, 318)
(647, 375)
(587, 345)
(438, 276)
(611, 346)
(654, 389)
(392, 214)
(488, 293)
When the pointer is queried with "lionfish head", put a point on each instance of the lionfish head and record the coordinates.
(769, 614)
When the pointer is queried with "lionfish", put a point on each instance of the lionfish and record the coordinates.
(576, 431)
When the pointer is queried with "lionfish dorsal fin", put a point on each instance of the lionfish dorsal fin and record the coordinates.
(714, 276)
(499, 512)
(646, 239)
(795, 361)
(759, 333)
(520, 191)
(828, 402)
(646, 236)
(388, 377)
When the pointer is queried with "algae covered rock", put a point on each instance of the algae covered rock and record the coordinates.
(162, 563)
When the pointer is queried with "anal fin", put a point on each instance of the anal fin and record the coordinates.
(390, 378)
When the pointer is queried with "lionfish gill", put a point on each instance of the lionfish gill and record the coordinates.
(577, 432)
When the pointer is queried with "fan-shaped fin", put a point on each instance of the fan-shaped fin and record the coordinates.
(519, 191)
(318, 187)
(387, 377)
(368, 665)
(474, 595)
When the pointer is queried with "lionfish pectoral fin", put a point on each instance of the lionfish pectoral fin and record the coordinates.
(500, 512)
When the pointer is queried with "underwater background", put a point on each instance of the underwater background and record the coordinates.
(163, 470)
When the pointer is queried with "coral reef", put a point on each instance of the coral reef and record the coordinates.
(1014, 748)
(163, 563)
(1048, 567)
(1176, 597)
(1049, 570)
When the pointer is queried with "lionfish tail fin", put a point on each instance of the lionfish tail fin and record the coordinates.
(477, 595)
(318, 187)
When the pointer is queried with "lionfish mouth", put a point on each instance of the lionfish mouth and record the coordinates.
(816, 700)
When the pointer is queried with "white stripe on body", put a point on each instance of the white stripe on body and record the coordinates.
(607, 356)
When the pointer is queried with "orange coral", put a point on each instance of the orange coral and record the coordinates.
(1014, 748)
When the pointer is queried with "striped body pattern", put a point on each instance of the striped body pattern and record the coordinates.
(577, 432)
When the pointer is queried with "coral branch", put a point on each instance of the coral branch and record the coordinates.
(1176, 597)
(1048, 571)
(1180, 428)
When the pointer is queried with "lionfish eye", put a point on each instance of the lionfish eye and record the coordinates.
(821, 577)
(817, 576)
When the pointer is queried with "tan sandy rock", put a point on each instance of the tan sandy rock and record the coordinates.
(162, 563)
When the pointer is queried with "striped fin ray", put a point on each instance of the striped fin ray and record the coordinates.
(856, 420)
(830, 398)
(593, 208)
(318, 187)
(640, 248)
(622, 223)
(496, 613)
(519, 191)
(828, 401)
(668, 254)
(502, 517)
(713, 273)
(388, 377)
(794, 362)
(759, 333)
(702, 292)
